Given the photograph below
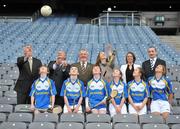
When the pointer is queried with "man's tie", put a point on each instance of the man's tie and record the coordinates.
(152, 63)
(30, 64)
(83, 68)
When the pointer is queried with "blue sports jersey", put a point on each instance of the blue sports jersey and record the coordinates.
(73, 91)
(42, 90)
(121, 87)
(96, 92)
(160, 89)
(138, 91)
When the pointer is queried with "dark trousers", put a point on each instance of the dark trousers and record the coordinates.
(23, 98)
(59, 100)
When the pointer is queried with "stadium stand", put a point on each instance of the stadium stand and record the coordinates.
(13, 125)
(129, 118)
(39, 125)
(150, 118)
(171, 40)
(77, 118)
(127, 126)
(70, 126)
(98, 118)
(47, 36)
(155, 126)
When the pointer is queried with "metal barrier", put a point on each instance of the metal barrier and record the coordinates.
(129, 18)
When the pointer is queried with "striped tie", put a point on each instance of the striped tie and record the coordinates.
(152, 64)
(83, 68)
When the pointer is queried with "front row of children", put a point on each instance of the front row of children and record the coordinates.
(137, 92)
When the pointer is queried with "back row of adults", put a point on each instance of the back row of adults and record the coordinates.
(59, 70)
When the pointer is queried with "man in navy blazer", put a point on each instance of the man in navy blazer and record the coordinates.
(149, 65)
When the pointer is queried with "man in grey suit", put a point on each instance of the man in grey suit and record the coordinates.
(84, 68)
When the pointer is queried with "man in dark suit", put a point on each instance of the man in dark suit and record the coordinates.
(59, 71)
(28, 73)
(149, 65)
(84, 68)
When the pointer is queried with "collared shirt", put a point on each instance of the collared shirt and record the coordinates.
(85, 64)
(56, 65)
(153, 60)
(73, 91)
(138, 91)
(160, 89)
(42, 90)
(30, 63)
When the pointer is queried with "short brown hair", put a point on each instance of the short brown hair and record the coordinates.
(97, 66)
(45, 66)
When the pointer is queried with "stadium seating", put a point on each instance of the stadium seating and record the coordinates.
(155, 126)
(70, 126)
(46, 117)
(2, 117)
(98, 126)
(47, 36)
(13, 125)
(176, 126)
(127, 126)
(43, 125)
(78, 118)
(125, 118)
(98, 118)
(150, 118)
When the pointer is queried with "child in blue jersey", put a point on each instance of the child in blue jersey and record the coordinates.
(161, 92)
(73, 92)
(43, 92)
(138, 93)
(117, 104)
(96, 93)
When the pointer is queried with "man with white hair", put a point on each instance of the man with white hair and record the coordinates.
(29, 72)
(84, 68)
(59, 71)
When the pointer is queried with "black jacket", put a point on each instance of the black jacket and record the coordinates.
(58, 75)
(26, 77)
(146, 66)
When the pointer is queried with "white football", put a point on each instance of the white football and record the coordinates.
(46, 10)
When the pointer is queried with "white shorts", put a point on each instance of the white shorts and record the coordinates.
(65, 110)
(101, 109)
(160, 106)
(133, 111)
(112, 110)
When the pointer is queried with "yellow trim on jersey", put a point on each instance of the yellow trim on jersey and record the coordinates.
(89, 83)
(105, 88)
(50, 85)
(68, 82)
(145, 85)
(133, 83)
(130, 84)
(166, 84)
